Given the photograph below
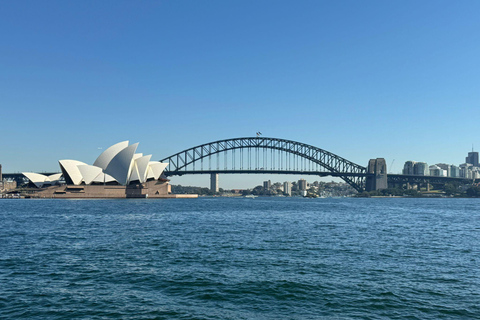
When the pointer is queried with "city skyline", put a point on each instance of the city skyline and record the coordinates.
(361, 80)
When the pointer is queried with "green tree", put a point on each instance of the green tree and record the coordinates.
(473, 191)
(258, 191)
(450, 189)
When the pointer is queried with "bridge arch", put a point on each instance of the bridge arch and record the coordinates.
(325, 162)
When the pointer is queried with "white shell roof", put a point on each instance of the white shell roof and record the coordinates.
(54, 177)
(71, 167)
(104, 159)
(150, 174)
(141, 165)
(121, 165)
(89, 173)
(117, 163)
(103, 178)
(157, 168)
(37, 179)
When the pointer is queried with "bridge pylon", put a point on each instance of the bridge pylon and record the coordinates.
(377, 175)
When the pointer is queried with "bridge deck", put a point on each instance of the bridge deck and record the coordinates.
(293, 172)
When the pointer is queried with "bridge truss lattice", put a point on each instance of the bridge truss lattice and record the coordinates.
(264, 155)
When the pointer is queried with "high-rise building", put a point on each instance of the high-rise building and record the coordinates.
(302, 185)
(420, 169)
(466, 170)
(214, 186)
(408, 167)
(287, 188)
(267, 184)
(472, 158)
(454, 172)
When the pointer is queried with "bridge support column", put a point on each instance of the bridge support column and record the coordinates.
(214, 182)
(377, 168)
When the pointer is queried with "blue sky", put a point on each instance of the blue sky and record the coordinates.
(362, 79)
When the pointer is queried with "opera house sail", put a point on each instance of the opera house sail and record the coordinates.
(118, 172)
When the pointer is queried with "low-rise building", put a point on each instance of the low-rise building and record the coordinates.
(445, 167)
(436, 171)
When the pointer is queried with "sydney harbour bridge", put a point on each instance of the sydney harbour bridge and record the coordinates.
(262, 155)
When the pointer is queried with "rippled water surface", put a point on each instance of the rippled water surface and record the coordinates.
(263, 258)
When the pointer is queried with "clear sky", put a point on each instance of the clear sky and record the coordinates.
(361, 79)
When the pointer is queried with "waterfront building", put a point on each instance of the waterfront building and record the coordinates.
(420, 169)
(436, 171)
(445, 167)
(117, 165)
(214, 186)
(287, 188)
(7, 185)
(267, 185)
(454, 172)
(302, 185)
(119, 172)
(408, 167)
(468, 171)
(475, 172)
(465, 170)
(277, 186)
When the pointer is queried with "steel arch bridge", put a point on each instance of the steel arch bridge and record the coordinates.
(262, 155)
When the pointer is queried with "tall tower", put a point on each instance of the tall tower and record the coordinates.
(287, 188)
(378, 179)
(408, 167)
(472, 158)
(214, 182)
(302, 185)
(267, 185)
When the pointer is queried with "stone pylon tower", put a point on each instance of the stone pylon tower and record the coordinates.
(377, 181)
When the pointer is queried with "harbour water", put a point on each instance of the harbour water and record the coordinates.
(237, 258)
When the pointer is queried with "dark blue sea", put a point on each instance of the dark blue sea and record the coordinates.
(226, 258)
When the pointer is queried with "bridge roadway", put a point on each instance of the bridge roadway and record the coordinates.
(391, 177)
(262, 171)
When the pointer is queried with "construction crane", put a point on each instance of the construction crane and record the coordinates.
(391, 166)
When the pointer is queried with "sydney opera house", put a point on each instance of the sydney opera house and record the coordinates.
(119, 172)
